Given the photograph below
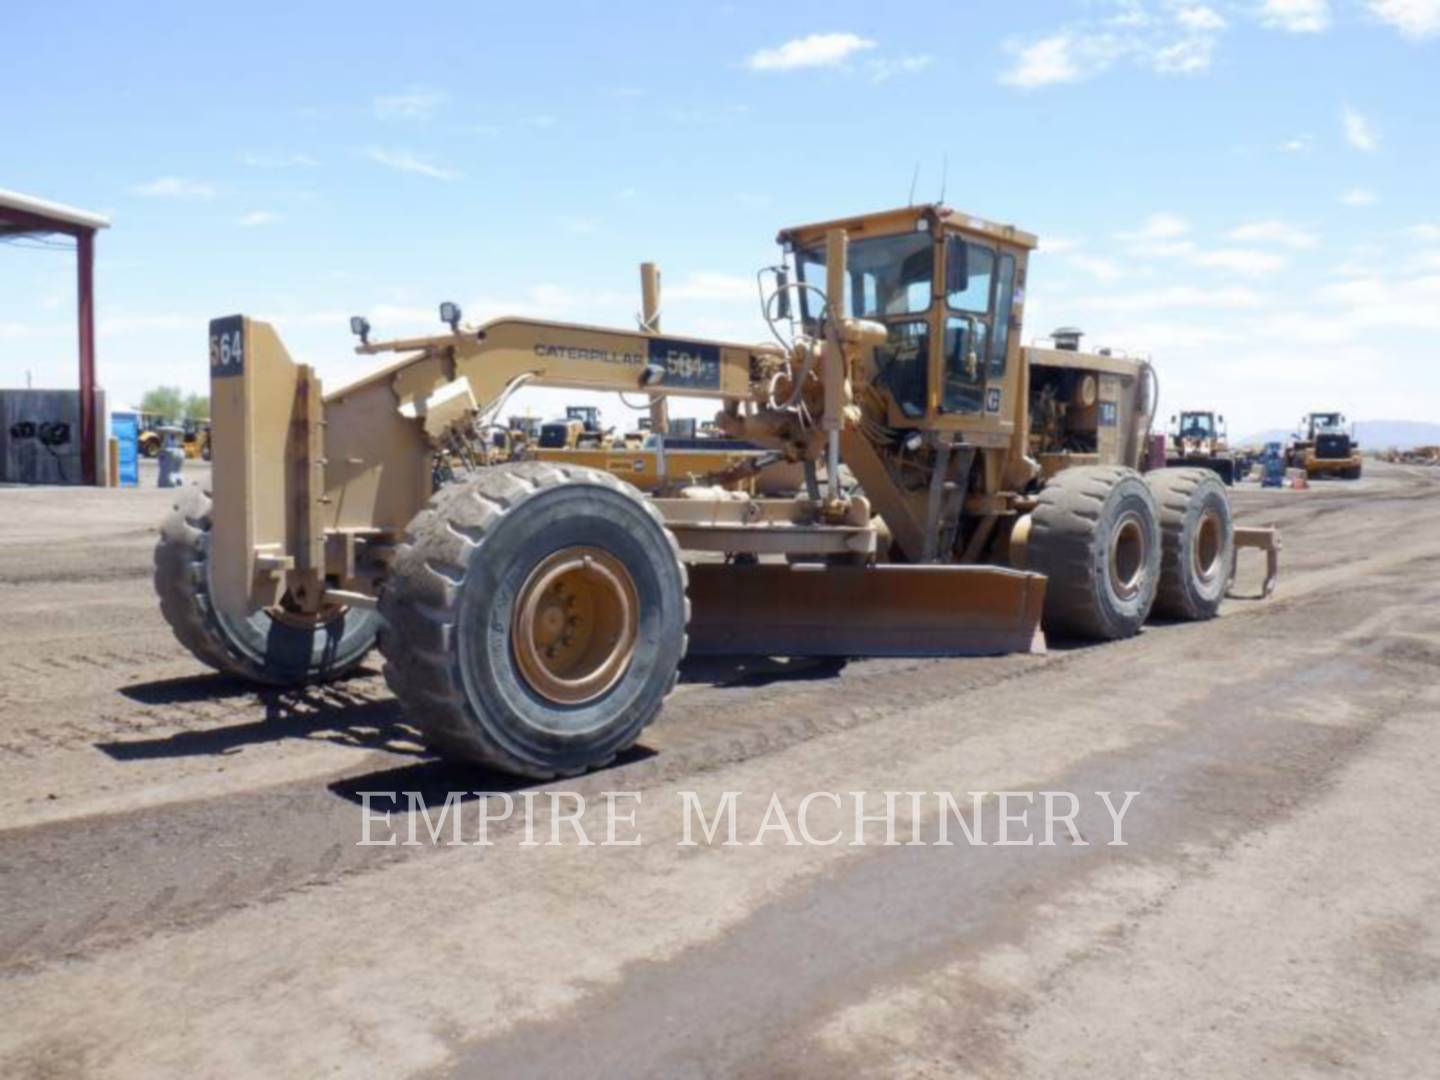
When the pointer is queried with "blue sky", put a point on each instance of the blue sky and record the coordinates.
(1247, 191)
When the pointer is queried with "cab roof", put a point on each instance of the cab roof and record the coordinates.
(904, 218)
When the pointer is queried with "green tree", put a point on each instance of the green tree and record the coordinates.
(166, 402)
(197, 407)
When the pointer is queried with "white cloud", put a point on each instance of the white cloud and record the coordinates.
(285, 161)
(689, 116)
(1184, 44)
(1044, 63)
(1296, 16)
(1297, 145)
(1158, 227)
(884, 68)
(1409, 303)
(417, 103)
(1200, 17)
(1359, 132)
(811, 51)
(1174, 296)
(17, 331)
(1274, 232)
(1427, 232)
(1128, 14)
(1167, 236)
(1359, 197)
(1243, 261)
(175, 187)
(129, 324)
(258, 217)
(1413, 18)
(710, 286)
(542, 120)
(404, 161)
(1105, 270)
(1183, 57)
(1055, 245)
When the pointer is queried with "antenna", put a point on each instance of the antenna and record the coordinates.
(914, 179)
(944, 175)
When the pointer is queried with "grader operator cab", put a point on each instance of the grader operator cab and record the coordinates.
(533, 615)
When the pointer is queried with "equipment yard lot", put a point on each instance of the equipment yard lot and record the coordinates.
(181, 890)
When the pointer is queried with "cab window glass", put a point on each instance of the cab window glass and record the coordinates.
(964, 365)
(1004, 296)
(903, 363)
(979, 263)
(888, 275)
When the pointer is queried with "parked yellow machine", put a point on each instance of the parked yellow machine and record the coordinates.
(1200, 439)
(150, 442)
(1325, 446)
(534, 614)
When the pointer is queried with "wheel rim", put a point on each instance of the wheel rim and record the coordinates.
(1128, 551)
(575, 625)
(1206, 552)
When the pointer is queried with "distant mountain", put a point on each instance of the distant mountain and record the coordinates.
(1262, 437)
(1371, 435)
(1396, 434)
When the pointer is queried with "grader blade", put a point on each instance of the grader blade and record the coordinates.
(773, 610)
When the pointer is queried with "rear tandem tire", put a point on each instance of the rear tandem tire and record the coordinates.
(535, 618)
(1095, 536)
(283, 651)
(1197, 541)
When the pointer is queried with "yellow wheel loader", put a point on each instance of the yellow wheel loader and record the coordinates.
(1200, 440)
(150, 442)
(533, 615)
(1325, 446)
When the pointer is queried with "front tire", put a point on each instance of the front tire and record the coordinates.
(271, 647)
(1197, 539)
(535, 618)
(1094, 535)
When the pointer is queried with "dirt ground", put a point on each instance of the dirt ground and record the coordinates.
(183, 892)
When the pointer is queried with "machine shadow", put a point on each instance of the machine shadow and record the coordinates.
(435, 780)
(758, 671)
(328, 712)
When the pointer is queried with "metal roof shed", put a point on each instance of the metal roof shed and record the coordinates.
(26, 215)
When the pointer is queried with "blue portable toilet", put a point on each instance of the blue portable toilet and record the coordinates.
(1272, 462)
(125, 427)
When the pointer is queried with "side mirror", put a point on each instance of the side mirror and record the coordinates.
(360, 327)
(1172, 419)
(957, 268)
(450, 314)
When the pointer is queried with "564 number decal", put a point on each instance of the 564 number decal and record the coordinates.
(691, 364)
(227, 346)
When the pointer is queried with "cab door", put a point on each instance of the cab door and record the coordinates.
(969, 373)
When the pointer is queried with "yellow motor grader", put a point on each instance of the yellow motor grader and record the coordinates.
(533, 615)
